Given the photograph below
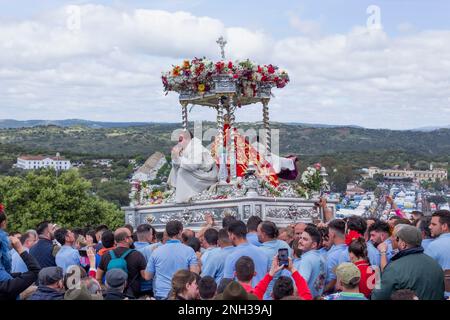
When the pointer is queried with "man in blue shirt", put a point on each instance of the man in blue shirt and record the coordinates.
(252, 230)
(145, 236)
(311, 264)
(439, 249)
(168, 259)
(28, 239)
(42, 251)
(336, 231)
(423, 224)
(267, 235)
(237, 232)
(325, 243)
(215, 264)
(67, 256)
(379, 233)
(212, 252)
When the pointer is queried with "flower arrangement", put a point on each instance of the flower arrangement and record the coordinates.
(197, 76)
(311, 179)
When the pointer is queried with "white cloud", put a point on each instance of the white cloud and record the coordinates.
(304, 26)
(405, 27)
(110, 69)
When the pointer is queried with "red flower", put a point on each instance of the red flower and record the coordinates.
(235, 76)
(352, 235)
(259, 69)
(230, 65)
(270, 69)
(219, 66)
(2, 208)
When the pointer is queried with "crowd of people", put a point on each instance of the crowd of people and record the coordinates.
(342, 259)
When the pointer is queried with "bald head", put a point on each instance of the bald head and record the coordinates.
(122, 236)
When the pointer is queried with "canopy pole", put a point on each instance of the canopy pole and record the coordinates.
(265, 103)
(232, 152)
(223, 174)
(184, 115)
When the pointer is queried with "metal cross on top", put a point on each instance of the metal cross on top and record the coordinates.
(221, 42)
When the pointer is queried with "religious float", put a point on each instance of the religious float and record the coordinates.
(248, 174)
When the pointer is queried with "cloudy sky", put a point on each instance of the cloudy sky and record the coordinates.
(349, 62)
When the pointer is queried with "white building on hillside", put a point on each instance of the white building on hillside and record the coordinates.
(415, 175)
(57, 162)
(150, 168)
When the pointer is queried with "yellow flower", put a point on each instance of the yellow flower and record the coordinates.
(201, 87)
(176, 71)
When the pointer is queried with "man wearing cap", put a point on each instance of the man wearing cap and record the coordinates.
(116, 280)
(50, 285)
(347, 280)
(410, 268)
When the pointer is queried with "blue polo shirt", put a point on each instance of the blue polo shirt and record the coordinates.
(66, 257)
(253, 239)
(426, 243)
(165, 261)
(42, 251)
(262, 263)
(439, 250)
(215, 264)
(146, 249)
(312, 267)
(211, 262)
(373, 254)
(323, 252)
(17, 262)
(270, 249)
(334, 256)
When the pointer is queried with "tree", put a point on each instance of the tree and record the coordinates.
(340, 177)
(114, 191)
(65, 200)
(369, 185)
(378, 177)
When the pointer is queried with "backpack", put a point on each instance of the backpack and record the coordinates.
(118, 262)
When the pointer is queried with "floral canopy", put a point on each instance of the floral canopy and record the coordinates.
(198, 75)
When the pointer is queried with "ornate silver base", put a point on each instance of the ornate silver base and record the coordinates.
(282, 211)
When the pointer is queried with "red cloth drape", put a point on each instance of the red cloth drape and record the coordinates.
(244, 154)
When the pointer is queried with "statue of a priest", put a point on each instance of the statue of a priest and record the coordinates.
(193, 168)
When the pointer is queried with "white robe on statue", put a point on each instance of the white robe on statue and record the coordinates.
(278, 163)
(192, 172)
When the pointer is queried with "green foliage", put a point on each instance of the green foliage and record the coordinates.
(378, 177)
(369, 185)
(114, 191)
(142, 141)
(65, 200)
